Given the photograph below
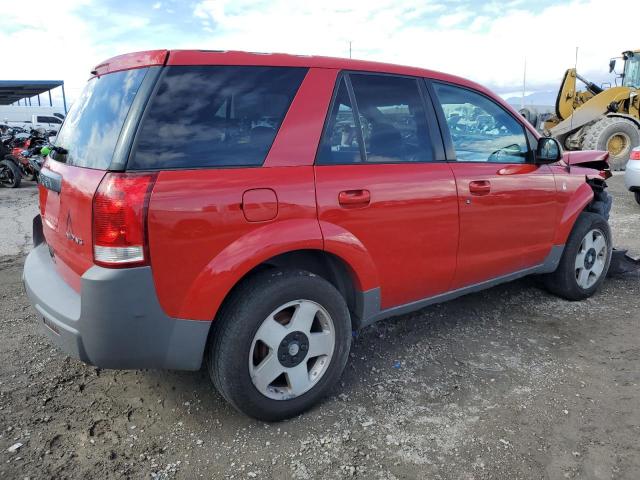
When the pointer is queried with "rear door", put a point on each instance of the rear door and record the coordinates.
(508, 208)
(91, 137)
(381, 179)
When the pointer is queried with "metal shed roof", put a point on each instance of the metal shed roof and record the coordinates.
(13, 90)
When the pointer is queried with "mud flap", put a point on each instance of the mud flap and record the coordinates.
(622, 262)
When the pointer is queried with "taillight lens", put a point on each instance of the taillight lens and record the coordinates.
(119, 219)
(635, 154)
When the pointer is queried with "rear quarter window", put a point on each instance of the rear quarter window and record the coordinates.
(214, 116)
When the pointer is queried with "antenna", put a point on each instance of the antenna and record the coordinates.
(575, 66)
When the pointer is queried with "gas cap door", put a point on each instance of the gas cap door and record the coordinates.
(259, 205)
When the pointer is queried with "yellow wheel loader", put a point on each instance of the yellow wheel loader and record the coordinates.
(600, 118)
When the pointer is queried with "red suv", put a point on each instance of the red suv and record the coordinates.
(250, 210)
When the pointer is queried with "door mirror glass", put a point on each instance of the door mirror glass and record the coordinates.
(548, 150)
(612, 65)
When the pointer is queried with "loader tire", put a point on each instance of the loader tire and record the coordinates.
(616, 135)
(530, 115)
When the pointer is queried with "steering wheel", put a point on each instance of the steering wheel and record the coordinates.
(498, 155)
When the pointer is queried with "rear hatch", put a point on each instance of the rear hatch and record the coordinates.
(96, 132)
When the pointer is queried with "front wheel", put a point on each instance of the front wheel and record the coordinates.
(585, 260)
(279, 344)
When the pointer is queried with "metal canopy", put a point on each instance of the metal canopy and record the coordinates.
(12, 91)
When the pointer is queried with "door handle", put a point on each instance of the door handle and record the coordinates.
(480, 187)
(354, 198)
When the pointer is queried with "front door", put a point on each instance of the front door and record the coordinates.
(382, 183)
(508, 208)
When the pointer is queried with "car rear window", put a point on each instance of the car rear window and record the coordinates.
(92, 127)
(214, 116)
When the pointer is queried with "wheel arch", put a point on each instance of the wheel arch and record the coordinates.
(578, 202)
(338, 257)
(332, 268)
(633, 119)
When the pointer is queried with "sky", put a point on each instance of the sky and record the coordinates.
(486, 41)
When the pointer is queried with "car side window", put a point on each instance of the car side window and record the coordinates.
(340, 144)
(481, 130)
(392, 117)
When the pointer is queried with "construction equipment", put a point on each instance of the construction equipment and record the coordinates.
(600, 118)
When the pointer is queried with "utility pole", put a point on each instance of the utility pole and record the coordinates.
(524, 83)
(349, 48)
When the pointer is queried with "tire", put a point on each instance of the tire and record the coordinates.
(613, 129)
(568, 280)
(637, 197)
(10, 174)
(236, 348)
(530, 115)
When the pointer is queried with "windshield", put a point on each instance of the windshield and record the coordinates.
(632, 72)
(92, 127)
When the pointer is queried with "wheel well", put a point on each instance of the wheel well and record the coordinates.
(326, 265)
(601, 202)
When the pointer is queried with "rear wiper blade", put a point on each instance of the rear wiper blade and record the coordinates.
(60, 150)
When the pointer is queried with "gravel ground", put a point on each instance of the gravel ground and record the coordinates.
(511, 383)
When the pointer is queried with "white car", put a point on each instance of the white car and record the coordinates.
(632, 173)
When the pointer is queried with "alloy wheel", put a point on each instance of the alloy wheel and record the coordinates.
(591, 259)
(292, 350)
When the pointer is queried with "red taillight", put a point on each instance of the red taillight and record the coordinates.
(119, 219)
(635, 154)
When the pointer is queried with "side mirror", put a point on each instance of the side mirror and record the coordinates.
(612, 65)
(548, 150)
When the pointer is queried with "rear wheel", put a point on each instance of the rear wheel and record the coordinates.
(585, 259)
(279, 344)
(616, 135)
(10, 175)
(637, 196)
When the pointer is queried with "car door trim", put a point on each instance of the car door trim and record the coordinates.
(370, 300)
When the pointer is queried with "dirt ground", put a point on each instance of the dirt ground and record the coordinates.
(511, 383)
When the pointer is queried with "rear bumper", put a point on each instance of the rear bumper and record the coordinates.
(116, 322)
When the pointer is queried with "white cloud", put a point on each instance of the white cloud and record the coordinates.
(487, 47)
(453, 19)
(486, 43)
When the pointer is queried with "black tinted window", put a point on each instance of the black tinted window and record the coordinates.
(392, 118)
(48, 119)
(480, 129)
(214, 116)
(93, 125)
(341, 142)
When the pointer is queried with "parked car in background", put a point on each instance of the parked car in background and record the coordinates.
(632, 174)
(248, 211)
(48, 118)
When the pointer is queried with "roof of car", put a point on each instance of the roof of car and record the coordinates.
(232, 57)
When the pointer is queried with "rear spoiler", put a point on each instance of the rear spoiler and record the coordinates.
(128, 61)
